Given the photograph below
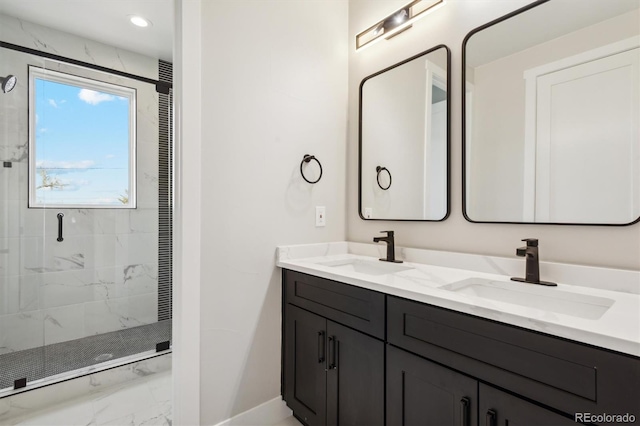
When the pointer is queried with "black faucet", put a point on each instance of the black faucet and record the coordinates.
(530, 253)
(391, 247)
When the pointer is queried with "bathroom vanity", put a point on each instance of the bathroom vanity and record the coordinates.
(369, 342)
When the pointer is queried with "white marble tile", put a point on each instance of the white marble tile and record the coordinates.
(73, 413)
(121, 401)
(41, 255)
(76, 222)
(310, 250)
(148, 100)
(156, 366)
(29, 294)
(65, 288)
(155, 415)
(11, 178)
(17, 294)
(63, 324)
(143, 220)
(105, 249)
(124, 281)
(10, 256)
(53, 41)
(289, 421)
(140, 248)
(160, 387)
(26, 406)
(9, 294)
(139, 279)
(9, 215)
(115, 314)
(21, 331)
(35, 222)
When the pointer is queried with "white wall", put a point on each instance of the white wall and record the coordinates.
(273, 88)
(602, 246)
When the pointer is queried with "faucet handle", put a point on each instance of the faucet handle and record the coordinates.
(531, 242)
(389, 233)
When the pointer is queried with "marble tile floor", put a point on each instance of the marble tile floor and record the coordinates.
(58, 358)
(145, 401)
(289, 421)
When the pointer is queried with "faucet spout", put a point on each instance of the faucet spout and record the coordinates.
(532, 271)
(391, 248)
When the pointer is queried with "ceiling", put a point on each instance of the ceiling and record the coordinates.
(105, 21)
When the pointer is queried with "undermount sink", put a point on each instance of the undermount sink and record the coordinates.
(368, 267)
(533, 296)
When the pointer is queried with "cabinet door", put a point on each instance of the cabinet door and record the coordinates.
(498, 408)
(422, 393)
(355, 377)
(304, 364)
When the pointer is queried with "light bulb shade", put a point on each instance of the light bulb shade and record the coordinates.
(8, 83)
(396, 22)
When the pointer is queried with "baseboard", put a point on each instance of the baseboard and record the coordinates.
(269, 413)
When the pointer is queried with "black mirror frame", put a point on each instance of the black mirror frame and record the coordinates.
(464, 127)
(448, 174)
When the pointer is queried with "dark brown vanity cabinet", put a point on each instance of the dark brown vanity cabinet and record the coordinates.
(423, 393)
(333, 374)
(559, 377)
(442, 367)
(499, 408)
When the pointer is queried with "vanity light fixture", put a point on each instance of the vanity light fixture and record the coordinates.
(398, 21)
(139, 21)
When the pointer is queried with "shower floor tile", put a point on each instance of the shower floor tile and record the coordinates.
(58, 358)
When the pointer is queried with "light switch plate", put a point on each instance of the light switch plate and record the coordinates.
(321, 219)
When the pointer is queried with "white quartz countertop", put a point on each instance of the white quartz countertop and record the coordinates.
(618, 328)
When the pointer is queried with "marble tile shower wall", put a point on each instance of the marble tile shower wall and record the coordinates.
(104, 275)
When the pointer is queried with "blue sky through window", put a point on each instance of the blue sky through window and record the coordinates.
(81, 145)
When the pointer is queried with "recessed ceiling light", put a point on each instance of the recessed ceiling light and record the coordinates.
(139, 21)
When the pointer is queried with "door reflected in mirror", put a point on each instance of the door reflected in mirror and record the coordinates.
(551, 115)
(404, 140)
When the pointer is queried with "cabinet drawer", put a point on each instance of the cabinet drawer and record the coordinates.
(562, 374)
(352, 306)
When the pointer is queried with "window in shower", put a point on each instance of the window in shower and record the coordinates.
(82, 142)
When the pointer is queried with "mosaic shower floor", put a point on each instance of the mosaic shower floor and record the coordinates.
(50, 360)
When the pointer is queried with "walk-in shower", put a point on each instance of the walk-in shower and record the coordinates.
(85, 206)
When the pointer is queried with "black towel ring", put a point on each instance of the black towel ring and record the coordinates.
(379, 170)
(307, 158)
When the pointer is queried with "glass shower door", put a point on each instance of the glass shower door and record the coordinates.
(80, 202)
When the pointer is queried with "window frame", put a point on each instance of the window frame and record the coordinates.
(130, 93)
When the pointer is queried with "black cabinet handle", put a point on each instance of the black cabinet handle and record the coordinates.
(332, 351)
(492, 417)
(464, 411)
(60, 216)
(320, 347)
